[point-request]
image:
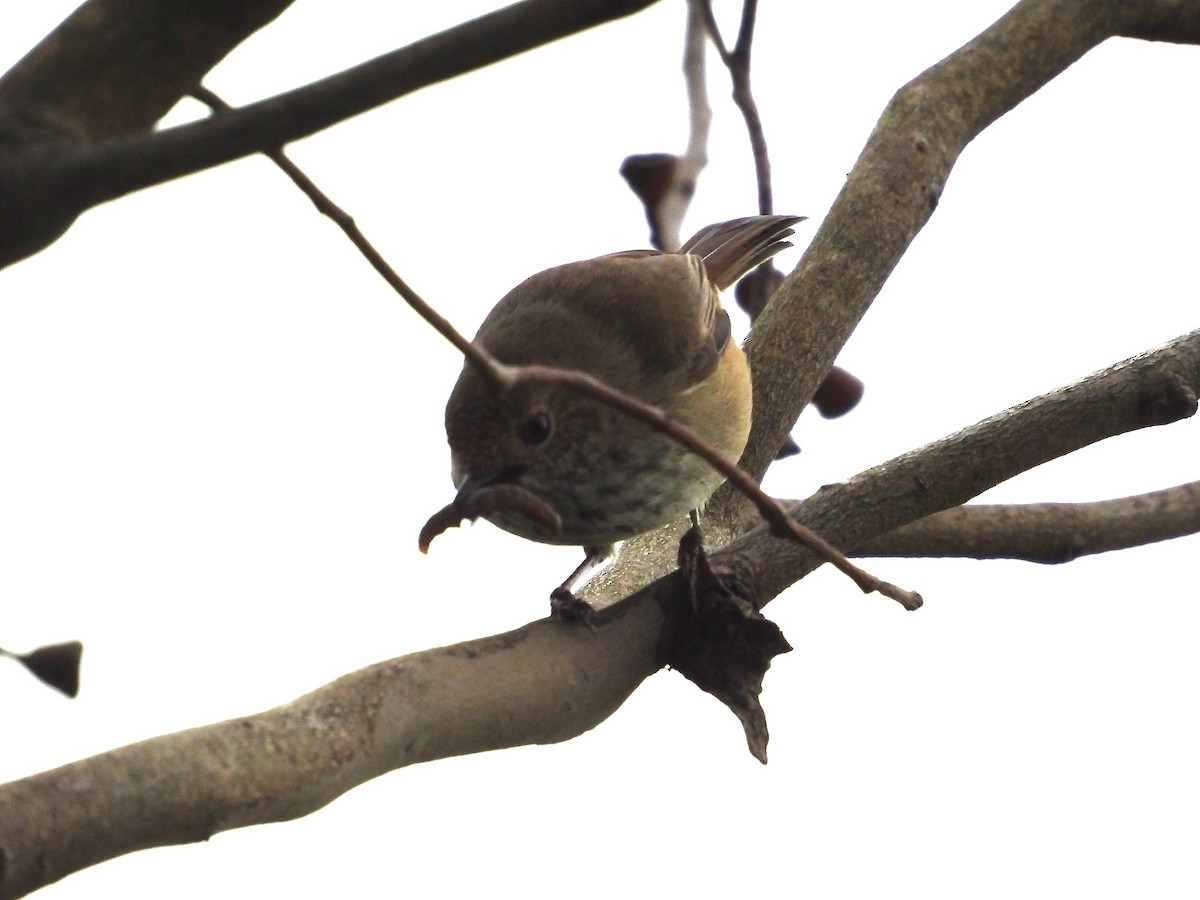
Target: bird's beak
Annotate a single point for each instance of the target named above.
(484, 494)
(478, 480)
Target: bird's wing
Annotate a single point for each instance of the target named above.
(648, 322)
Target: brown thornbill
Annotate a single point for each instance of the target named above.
(644, 322)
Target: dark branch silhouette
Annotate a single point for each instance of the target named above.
(47, 184)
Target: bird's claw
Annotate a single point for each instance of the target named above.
(565, 606)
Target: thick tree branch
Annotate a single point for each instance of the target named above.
(889, 195)
(1046, 532)
(87, 82)
(545, 682)
(42, 191)
(1155, 388)
(894, 187)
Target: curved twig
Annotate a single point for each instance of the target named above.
(505, 377)
(737, 61)
(492, 370)
(780, 523)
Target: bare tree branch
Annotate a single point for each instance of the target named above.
(895, 184)
(44, 191)
(542, 683)
(1155, 388)
(889, 195)
(86, 82)
(1046, 532)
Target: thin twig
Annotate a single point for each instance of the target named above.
(1154, 388)
(737, 61)
(491, 369)
(666, 182)
(714, 30)
(505, 377)
(781, 524)
(695, 75)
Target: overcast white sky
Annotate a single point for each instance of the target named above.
(221, 434)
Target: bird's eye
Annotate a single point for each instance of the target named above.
(536, 428)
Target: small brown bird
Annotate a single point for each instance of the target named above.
(645, 322)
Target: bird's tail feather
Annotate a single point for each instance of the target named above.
(731, 249)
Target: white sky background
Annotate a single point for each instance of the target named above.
(221, 434)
